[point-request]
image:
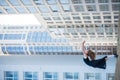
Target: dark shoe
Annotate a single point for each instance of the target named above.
(116, 55)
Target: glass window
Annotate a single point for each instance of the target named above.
(11, 75)
(107, 17)
(1, 36)
(76, 17)
(115, 0)
(96, 17)
(27, 2)
(92, 76)
(104, 7)
(66, 17)
(43, 9)
(51, 1)
(12, 36)
(103, 1)
(71, 76)
(46, 18)
(64, 1)
(3, 3)
(20, 9)
(78, 8)
(66, 8)
(32, 9)
(30, 76)
(9, 9)
(110, 76)
(50, 76)
(90, 1)
(55, 8)
(56, 18)
(91, 7)
(14, 2)
(39, 2)
(116, 7)
(116, 17)
(76, 1)
(1, 11)
(86, 17)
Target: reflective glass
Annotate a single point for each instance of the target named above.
(76, 1)
(9, 9)
(12, 36)
(90, 1)
(1, 36)
(116, 7)
(1, 11)
(3, 3)
(50, 76)
(27, 2)
(66, 8)
(39, 2)
(64, 1)
(55, 8)
(78, 8)
(20, 9)
(104, 7)
(51, 1)
(14, 2)
(103, 1)
(43, 9)
(91, 7)
(32, 9)
(11, 75)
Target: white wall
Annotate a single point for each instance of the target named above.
(50, 63)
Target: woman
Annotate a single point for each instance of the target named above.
(89, 58)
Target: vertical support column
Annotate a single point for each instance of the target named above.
(117, 71)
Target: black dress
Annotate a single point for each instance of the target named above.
(98, 63)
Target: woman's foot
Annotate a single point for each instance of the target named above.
(116, 55)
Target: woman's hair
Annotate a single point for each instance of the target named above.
(91, 54)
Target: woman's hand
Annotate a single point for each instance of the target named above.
(83, 42)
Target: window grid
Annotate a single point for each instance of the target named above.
(30, 75)
(50, 76)
(11, 75)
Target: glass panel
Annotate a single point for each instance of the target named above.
(107, 17)
(43, 9)
(66, 17)
(104, 7)
(32, 9)
(14, 2)
(91, 7)
(86, 17)
(39, 2)
(90, 1)
(1, 12)
(3, 3)
(20, 9)
(55, 8)
(96, 17)
(9, 9)
(64, 1)
(51, 1)
(115, 0)
(103, 1)
(78, 8)
(67, 8)
(27, 2)
(116, 7)
(76, 1)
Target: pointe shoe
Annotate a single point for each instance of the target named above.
(116, 55)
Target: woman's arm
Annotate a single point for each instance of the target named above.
(83, 50)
